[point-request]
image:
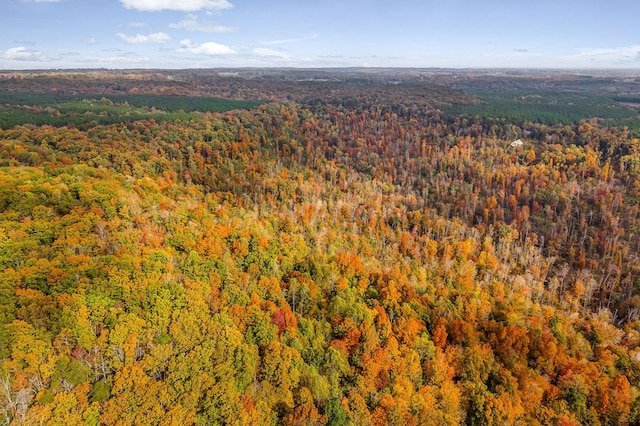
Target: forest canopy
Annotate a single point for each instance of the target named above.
(336, 248)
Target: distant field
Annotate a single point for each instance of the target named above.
(60, 110)
(552, 107)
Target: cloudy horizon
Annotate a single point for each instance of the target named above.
(54, 34)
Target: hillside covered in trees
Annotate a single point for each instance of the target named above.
(329, 248)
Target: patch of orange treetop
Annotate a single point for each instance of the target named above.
(322, 263)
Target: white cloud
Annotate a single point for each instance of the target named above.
(290, 40)
(181, 5)
(144, 39)
(209, 48)
(272, 53)
(136, 24)
(23, 54)
(119, 59)
(609, 55)
(191, 23)
(90, 40)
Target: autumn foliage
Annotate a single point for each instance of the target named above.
(361, 262)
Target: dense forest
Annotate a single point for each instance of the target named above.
(325, 249)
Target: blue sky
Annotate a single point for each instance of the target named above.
(43, 34)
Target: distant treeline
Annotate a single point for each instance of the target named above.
(78, 110)
(549, 108)
(10, 117)
(630, 99)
